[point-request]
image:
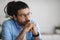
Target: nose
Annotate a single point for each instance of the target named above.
(27, 18)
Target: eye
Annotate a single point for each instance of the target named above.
(24, 15)
(21, 15)
(29, 13)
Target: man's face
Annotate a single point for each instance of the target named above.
(23, 15)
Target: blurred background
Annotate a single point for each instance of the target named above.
(47, 12)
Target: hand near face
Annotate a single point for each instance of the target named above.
(33, 30)
(30, 27)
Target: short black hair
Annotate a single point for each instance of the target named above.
(12, 7)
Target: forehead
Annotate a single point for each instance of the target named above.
(23, 11)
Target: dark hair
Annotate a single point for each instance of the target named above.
(12, 7)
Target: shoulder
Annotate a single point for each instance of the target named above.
(7, 23)
(34, 20)
(6, 27)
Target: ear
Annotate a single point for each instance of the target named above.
(15, 18)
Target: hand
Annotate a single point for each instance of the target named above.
(33, 30)
(28, 26)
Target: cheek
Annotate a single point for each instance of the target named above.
(28, 18)
(21, 19)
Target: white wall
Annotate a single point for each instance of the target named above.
(47, 12)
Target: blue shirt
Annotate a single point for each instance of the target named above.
(11, 30)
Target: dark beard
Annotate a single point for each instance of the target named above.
(24, 23)
(20, 23)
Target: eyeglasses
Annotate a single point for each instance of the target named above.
(24, 15)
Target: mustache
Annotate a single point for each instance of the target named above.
(23, 24)
(27, 21)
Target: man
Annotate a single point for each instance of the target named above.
(20, 26)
